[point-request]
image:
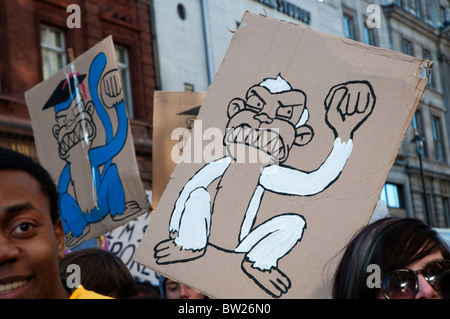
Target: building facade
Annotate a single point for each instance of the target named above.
(39, 37)
(191, 47)
(179, 45)
(421, 175)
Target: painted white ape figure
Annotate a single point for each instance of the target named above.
(272, 119)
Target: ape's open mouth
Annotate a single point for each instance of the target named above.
(84, 130)
(268, 141)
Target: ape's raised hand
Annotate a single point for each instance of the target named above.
(111, 89)
(347, 106)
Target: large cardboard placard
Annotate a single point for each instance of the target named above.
(83, 139)
(174, 114)
(310, 125)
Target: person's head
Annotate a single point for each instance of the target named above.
(31, 232)
(391, 244)
(101, 271)
(170, 289)
(146, 290)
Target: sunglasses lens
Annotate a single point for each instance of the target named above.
(399, 284)
(434, 271)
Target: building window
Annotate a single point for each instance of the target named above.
(446, 209)
(124, 69)
(417, 125)
(427, 55)
(188, 87)
(424, 9)
(410, 5)
(443, 14)
(437, 136)
(369, 36)
(53, 50)
(349, 27)
(407, 47)
(392, 195)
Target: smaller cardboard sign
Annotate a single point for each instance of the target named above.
(123, 241)
(83, 138)
(174, 114)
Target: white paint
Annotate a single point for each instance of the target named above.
(205, 176)
(290, 181)
(277, 85)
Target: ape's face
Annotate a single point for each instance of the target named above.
(75, 127)
(270, 122)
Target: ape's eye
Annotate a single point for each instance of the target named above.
(61, 120)
(255, 102)
(285, 113)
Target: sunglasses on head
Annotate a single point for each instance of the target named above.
(403, 283)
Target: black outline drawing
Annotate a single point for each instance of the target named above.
(270, 106)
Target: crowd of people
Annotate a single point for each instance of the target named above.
(413, 259)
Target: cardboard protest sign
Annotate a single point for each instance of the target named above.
(83, 139)
(174, 114)
(309, 125)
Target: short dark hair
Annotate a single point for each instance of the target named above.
(12, 160)
(101, 271)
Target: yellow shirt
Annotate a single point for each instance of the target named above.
(81, 293)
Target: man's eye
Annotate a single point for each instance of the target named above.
(173, 287)
(22, 228)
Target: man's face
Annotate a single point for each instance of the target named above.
(30, 244)
(175, 290)
(75, 127)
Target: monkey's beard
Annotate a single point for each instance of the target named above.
(265, 140)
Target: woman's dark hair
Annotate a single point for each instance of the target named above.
(101, 271)
(12, 160)
(391, 243)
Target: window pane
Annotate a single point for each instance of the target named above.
(124, 69)
(417, 124)
(369, 36)
(392, 195)
(446, 211)
(349, 28)
(120, 53)
(406, 47)
(54, 39)
(52, 50)
(438, 139)
(43, 35)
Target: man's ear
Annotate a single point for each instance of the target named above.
(304, 135)
(59, 234)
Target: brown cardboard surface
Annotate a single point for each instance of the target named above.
(174, 114)
(83, 139)
(235, 227)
